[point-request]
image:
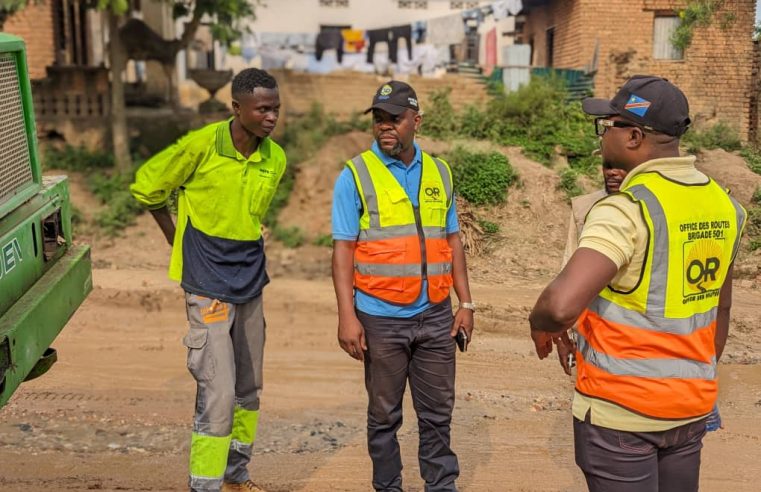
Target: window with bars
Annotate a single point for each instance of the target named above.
(663, 28)
(413, 4)
(334, 3)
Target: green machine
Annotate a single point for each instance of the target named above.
(44, 277)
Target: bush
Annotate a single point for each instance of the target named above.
(488, 227)
(569, 183)
(756, 198)
(291, 237)
(302, 138)
(121, 207)
(753, 227)
(325, 240)
(752, 157)
(718, 136)
(537, 117)
(109, 186)
(481, 178)
(80, 159)
(441, 120)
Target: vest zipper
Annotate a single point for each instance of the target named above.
(421, 238)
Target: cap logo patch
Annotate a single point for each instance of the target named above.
(412, 101)
(637, 105)
(385, 90)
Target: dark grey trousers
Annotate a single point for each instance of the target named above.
(619, 461)
(418, 349)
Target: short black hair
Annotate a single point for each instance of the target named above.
(249, 79)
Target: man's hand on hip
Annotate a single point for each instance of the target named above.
(351, 337)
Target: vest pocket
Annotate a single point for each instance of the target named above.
(261, 198)
(387, 283)
(434, 213)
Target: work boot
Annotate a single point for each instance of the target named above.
(247, 486)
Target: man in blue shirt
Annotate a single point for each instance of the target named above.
(396, 253)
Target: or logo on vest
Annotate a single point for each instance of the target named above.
(433, 193)
(702, 264)
(386, 90)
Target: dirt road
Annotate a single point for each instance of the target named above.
(115, 412)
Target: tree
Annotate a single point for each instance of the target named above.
(8, 8)
(224, 17)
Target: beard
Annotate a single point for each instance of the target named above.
(394, 151)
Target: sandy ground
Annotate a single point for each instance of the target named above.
(115, 412)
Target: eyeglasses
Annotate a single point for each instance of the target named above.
(602, 125)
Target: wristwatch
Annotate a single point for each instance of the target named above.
(468, 305)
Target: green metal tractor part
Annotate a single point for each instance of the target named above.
(44, 277)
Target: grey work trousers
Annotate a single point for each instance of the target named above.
(421, 350)
(225, 356)
(621, 461)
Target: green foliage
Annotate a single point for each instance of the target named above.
(109, 186)
(291, 237)
(717, 136)
(698, 13)
(537, 117)
(440, 120)
(303, 137)
(325, 240)
(481, 178)
(756, 198)
(488, 227)
(752, 157)
(79, 159)
(121, 207)
(569, 183)
(753, 227)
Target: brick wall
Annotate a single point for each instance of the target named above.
(716, 72)
(345, 93)
(34, 25)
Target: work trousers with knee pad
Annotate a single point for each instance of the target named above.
(225, 354)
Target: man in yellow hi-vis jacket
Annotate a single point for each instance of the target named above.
(649, 289)
(226, 175)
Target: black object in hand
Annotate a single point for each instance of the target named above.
(462, 340)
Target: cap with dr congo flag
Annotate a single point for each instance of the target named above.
(651, 102)
(395, 97)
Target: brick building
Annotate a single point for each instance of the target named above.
(616, 39)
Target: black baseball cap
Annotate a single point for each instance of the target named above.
(651, 102)
(395, 97)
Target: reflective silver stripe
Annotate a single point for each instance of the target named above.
(385, 270)
(741, 217)
(656, 296)
(390, 232)
(445, 178)
(368, 190)
(393, 232)
(242, 448)
(439, 268)
(647, 368)
(435, 232)
(205, 483)
(678, 326)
